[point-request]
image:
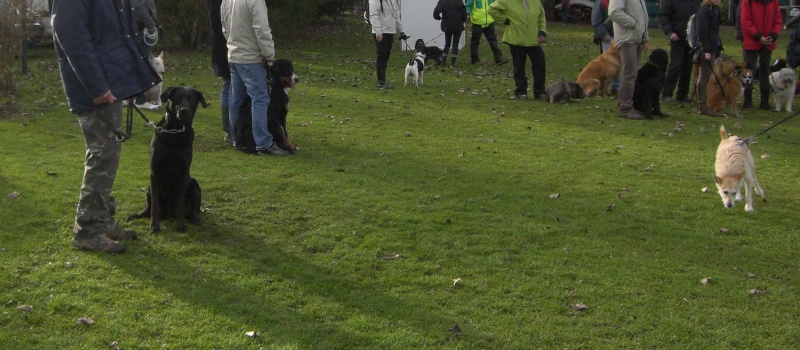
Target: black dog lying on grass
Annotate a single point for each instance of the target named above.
(172, 192)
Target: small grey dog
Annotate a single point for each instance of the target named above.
(563, 91)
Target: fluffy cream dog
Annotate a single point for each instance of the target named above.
(782, 84)
(735, 167)
(154, 93)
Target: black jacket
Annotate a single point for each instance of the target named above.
(708, 19)
(674, 16)
(452, 13)
(219, 46)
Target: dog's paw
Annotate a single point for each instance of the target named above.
(155, 228)
(181, 227)
(748, 208)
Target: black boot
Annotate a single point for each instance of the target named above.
(748, 98)
(453, 61)
(765, 100)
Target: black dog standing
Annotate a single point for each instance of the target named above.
(173, 192)
(649, 82)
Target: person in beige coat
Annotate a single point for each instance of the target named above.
(630, 32)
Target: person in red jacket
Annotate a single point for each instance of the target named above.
(761, 22)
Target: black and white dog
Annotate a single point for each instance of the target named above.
(416, 68)
(431, 52)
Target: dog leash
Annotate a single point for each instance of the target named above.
(129, 123)
(750, 139)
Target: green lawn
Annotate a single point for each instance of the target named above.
(355, 241)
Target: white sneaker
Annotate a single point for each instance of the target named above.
(148, 105)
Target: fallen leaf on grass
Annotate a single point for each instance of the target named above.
(611, 206)
(756, 291)
(13, 195)
(27, 308)
(554, 196)
(455, 329)
(391, 256)
(84, 320)
(456, 281)
(113, 346)
(751, 275)
(723, 230)
(572, 293)
(704, 190)
(765, 156)
(705, 281)
(650, 167)
(251, 334)
(579, 307)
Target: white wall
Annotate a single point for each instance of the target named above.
(418, 23)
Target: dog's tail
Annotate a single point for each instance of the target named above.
(722, 133)
(411, 63)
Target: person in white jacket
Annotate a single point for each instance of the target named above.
(245, 25)
(384, 16)
(630, 32)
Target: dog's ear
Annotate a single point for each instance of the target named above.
(718, 180)
(165, 95)
(201, 98)
(150, 56)
(161, 55)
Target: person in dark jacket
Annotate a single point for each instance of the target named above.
(146, 19)
(453, 14)
(219, 64)
(761, 21)
(604, 33)
(708, 20)
(674, 18)
(793, 50)
(100, 66)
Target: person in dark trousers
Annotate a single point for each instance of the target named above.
(708, 20)
(146, 19)
(761, 21)
(482, 23)
(453, 14)
(674, 18)
(604, 33)
(219, 64)
(526, 31)
(566, 5)
(100, 66)
(384, 17)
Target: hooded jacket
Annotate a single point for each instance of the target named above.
(760, 18)
(384, 16)
(477, 11)
(97, 52)
(630, 21)
(452, 13)
(524, 26)
(245, 24)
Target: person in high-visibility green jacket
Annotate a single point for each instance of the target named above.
(482, 23)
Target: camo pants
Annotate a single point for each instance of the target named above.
(96, 207)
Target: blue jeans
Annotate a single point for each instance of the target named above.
(603, 47)
(251, 80)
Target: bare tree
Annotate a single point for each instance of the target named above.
(15, 16)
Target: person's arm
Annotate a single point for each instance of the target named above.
(665, 17)
(748, 28)
(437, 11)
(469, 7)
(498, 11)
(375, 17)
(616, 11)
(397, 21)
(542, 24)
(703, 25)
(70, 27)
(262, 30)
(777, 24)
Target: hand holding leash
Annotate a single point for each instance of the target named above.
(403, 36)
(150, 36)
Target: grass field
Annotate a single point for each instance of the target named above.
(355, 242)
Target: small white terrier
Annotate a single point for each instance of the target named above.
(154, 93)
(783, 86)
(415, 68)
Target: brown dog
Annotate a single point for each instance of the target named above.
(598, 74)
(724, 87)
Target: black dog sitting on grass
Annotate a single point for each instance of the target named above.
(172, 192)
(649, 83)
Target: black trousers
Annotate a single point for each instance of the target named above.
(382, 50)
(519, 57)
(451, 38)
(680, 70)
(763, 58)
(475, 40)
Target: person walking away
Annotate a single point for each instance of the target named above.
(100, 65)
(632, 37)
(384, 17)
(219, 64)
(482, 23)
(146, 19)
(674, 18)
(565, 8)
(761, 21)
(604, 33)
(453, 14)
(245, 24)
(708, 20)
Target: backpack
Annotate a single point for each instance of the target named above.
(366, 11)
(691, 34)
